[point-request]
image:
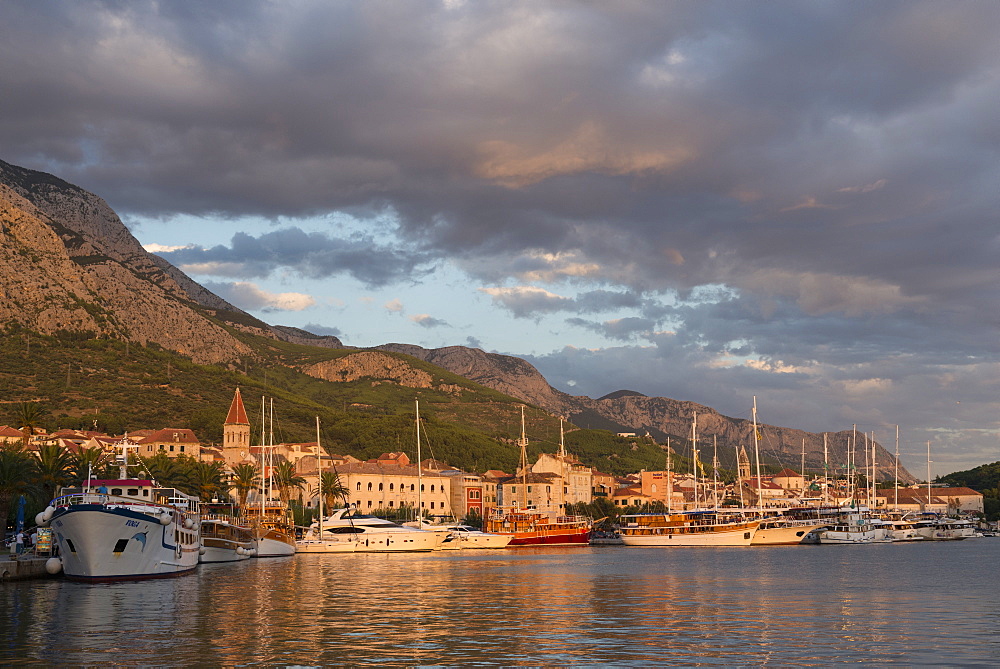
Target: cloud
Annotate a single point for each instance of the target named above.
(252, 298)
(394, 305)
(427, 321)
(807, 185)
(313, 255)
(526, 301)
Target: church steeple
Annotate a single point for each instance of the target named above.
(744, 464)
(237, 414)
(236, 430)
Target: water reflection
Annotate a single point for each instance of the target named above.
(920, 604)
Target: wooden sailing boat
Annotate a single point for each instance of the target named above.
(700, 527)
(274, 531)
(528, 526)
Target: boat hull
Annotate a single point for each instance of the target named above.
(740, 536)
(790, 535)
(320, 546)
(568, 537)
(116, 542)
(274, 544)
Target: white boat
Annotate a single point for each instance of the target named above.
(320, 541)
(781, 531)
(687, 528)
(366, 534)
(225, 540)
(125, 528)
(469, 537)
(854, 527)
(903, 530)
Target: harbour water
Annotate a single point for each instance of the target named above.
(932, 603)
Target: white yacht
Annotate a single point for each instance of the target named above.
(359, 533)
(225, 540)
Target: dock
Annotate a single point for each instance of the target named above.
(23, 567)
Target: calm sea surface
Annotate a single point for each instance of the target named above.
(912, 604)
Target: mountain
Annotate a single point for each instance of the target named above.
(69, 265)
(661, 417)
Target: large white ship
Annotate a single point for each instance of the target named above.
(125, 528)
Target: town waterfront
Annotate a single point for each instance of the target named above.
(928, 603)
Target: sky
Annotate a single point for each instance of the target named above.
(707, 201)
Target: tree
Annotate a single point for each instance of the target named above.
(243, 480)
(94, 461)
(286, 480)
(15, 477)
(210, 479)
(333, 490)
(171, 472)
(52, 468)
(30, 415)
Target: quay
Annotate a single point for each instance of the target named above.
(23, 567)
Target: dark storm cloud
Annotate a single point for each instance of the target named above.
(827, 169)
(314, 255)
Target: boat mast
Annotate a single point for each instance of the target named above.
(802, 468)
(928, 475)
(739, 477)
(694, 452)
(263, 452)
(756, 454)
(850, 463)
(420, 479)
(319, 470)
(670, 481)
(868, 471)
(523, 441)
(715, 470)
(874, 469)
(896, 473)
(826, 472)
(270, 452)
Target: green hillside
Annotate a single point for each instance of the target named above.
(81, 381)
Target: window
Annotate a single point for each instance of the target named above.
(432, 505)
(548, 488)
(529, 488)
(369, 490)
(422, 486)
(380, 487)
(390, 487)
(432, 487)
(369, 501)
(359, 485)
(475, 494)
(412, 487)
(390, 503)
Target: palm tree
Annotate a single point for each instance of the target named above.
(15, 477)
(171, 472)
(210, 477)
(243, 480)
(94, 461)
(285, 480)
(53, 468)
(29, 414)
(333, 490)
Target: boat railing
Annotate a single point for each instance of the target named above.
(103, 499)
